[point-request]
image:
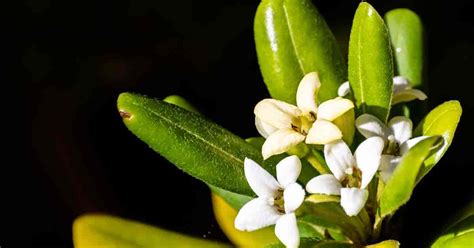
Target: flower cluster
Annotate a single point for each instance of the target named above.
(321, 128)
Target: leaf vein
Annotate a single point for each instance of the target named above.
(293, 43)
(231, 156)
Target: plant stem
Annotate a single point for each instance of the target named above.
(365, 219)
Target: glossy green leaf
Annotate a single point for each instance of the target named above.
(463, 240)
(315, 243)
(406, 33)
(98, 230)
(370, 63)
(194, 144)
(325, 211)
(292, 39)
(400, 186)
(460, 232)
(234, 200)
(442, 121)
(181, 102)
(385, 244)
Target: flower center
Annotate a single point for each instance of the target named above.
(392, 147)
(279, 201)
(303, 123)
(353, 177)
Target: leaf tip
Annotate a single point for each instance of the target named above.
(122, 105)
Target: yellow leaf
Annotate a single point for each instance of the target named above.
(225, 216)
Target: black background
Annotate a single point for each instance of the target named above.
(71, 154)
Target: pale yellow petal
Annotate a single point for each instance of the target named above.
(264, 128)
(331, 109)
(307, 93)
(408, 95)
(280, 142)
(276, 113)
(345, 123)
(323, 132)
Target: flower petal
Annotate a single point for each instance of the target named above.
(400, 83)
(323, 132)
(264, 128)
(277, 113)
(331, 109)
(339, 158)
(307, 93)
(286, 230)
(411, 143)
(288, 170)
(369, 126)
(401, 128)
(261, 182)
(388, 164)
(280, 142)
(408, 95)
(293, 196)
(256, 214)
(367, 156)
(344, 89)
(324, 184)
(353, 200)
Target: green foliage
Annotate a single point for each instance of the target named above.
(315, 243)
(323, 211)
(181, 102)
(97, 230)
(442, 121)
(292, 39)
(194, 144)
(400, 186)
(236, 201)
(406, 33)
(385, 244)
(370, 63)
(460, 232)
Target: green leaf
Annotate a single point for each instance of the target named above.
(399, 187)
(181, 102)
(463, 240)
(370, 63)
(325, 211)
(97, 230)
(316, 243)
(194, 144)
(385, 244)
(442, 121)
(292, 39)
(460, 233)
(406, 33)
(236, 201)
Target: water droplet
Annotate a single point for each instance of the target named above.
(399, 50)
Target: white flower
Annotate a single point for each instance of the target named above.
(397, 137)
(351, 174)
(402, 92)
(285, 125)
(276, 202)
